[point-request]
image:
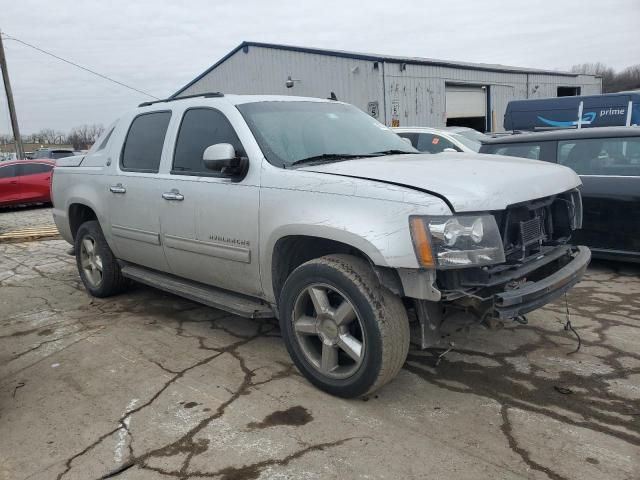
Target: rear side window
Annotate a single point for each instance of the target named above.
(601, 156)
(428, 142)
(143, 146)
(35, 168)
(200, 128)
(8, 171)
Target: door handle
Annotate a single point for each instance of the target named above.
(173, 195)
(13, 182)
(118, 188)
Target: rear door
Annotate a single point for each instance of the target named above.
(135, 192)
(8, 183)
(610, 173)
(35, 182)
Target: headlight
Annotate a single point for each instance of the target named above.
(456, 241)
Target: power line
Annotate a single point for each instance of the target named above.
(9, 37)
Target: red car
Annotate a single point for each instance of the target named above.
(25, 181)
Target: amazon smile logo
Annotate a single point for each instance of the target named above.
(587, 119)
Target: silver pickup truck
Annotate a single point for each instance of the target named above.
(313, 212)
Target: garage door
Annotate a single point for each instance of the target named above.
(465, 101)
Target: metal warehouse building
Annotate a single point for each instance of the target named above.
(404, 91)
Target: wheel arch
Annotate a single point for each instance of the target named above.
(78, 213)
(289, 251)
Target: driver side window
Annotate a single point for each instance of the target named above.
(201, 128)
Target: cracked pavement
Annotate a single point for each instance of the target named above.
(147, 385)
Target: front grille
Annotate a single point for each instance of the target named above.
(530, 227)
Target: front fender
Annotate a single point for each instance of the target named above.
(377, 228)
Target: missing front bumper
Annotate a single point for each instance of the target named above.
(533, 295)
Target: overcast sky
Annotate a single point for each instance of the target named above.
(158, 46)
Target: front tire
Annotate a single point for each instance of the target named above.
(98, 268)
(345, 332)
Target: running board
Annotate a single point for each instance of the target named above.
(198, 292)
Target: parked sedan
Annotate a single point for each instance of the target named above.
(25, 181)
(436, 140)
(608, 162)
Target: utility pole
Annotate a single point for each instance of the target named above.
(12, 107)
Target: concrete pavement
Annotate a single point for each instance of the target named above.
(147, 385)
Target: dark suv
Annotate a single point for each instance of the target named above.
(608, 162)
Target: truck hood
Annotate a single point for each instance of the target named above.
(469, 182)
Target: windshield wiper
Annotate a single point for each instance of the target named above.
(328, 157)
(391, 152)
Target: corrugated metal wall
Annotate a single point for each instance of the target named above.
(544, 86)
(420, 90)
(415, 92)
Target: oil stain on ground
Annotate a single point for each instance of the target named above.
(294, 416)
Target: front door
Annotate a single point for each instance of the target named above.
(210, 223)
(135, 193)
(610, 173)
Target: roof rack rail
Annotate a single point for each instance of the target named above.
(172, 99)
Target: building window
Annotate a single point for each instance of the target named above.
(568, 91)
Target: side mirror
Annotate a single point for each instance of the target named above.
(222, 158)
(449, 149)
(407, 140)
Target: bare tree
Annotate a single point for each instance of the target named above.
(84, 136)
(612, 81)
(628, 79)
(45, 136)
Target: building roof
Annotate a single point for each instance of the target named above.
(245, 46)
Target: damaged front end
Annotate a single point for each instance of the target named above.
(539, 266)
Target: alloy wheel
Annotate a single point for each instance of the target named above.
(329, 331)
(90, 261)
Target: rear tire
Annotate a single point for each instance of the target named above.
(98, 267)
(345, 332)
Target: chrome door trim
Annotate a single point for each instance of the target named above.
(152, 238)
(211, 249)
